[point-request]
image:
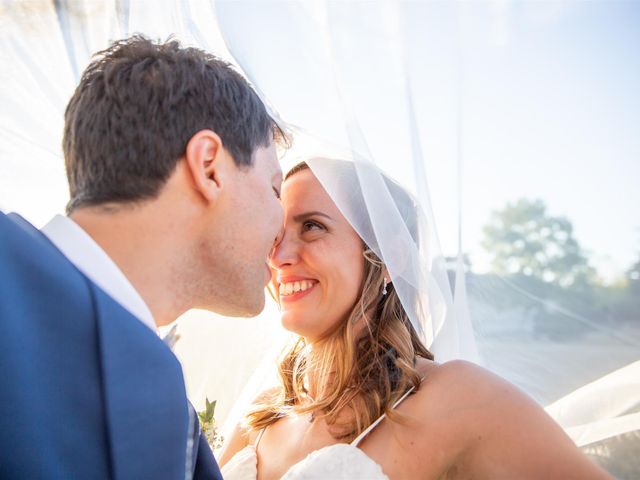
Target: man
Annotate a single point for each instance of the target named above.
(174, 186)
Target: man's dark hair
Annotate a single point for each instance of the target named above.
(136, 107)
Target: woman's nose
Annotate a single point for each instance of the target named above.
(284, 251)
(279, 236)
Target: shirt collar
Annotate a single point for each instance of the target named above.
(93, 261)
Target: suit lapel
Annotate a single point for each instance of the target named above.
(143, 391)
(144, 396)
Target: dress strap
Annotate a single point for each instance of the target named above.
(360, 437)
(259, 437)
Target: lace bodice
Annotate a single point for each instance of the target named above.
(338, 462)
(242, 466)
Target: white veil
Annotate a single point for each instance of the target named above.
(429, 95)
(342, 78)
(328, 119)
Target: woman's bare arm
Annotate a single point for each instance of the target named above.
(238, 439)
(499, 432)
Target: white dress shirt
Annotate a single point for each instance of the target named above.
(93, 261)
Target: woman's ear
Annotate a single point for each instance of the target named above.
(204, 157)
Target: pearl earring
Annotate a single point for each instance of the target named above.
(384, 287)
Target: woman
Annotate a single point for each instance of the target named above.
(360, 395)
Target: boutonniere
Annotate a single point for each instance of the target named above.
(208, 425)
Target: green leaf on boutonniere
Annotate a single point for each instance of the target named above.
(208, 425)
(207, 414)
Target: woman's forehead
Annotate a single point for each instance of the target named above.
(303, 193)
(303, 190)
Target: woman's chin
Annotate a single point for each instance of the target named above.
(307, 329)
(289, 321)
(293, 323)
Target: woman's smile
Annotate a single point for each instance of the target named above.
(318, 260)
(293, 296)
(292, 288)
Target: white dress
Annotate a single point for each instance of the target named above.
(337, 462)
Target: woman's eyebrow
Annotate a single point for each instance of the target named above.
(303, 216)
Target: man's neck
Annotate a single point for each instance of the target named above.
(143, 244)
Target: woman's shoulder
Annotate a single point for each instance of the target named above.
(480, 417)
(458, 387)
(243, 435)
(450, 377)
(266, 396)
(451, 409)
(460, 376)
(437, 413)
(473, 402)
(487, 425)
(452, 368)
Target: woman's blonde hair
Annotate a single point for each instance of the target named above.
(360, 369)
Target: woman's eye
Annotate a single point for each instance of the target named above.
(275, 190)
(311, 225)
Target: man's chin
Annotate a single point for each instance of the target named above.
(239, 303)
(251, 306)
(255, 310)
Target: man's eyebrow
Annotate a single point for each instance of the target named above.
(303, 216)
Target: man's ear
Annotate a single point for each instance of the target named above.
(204, 157)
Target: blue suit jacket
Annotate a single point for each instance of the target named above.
(86, 390)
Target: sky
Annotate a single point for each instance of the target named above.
(550, 109)
(532, 99)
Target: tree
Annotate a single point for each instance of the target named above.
(523, 238)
